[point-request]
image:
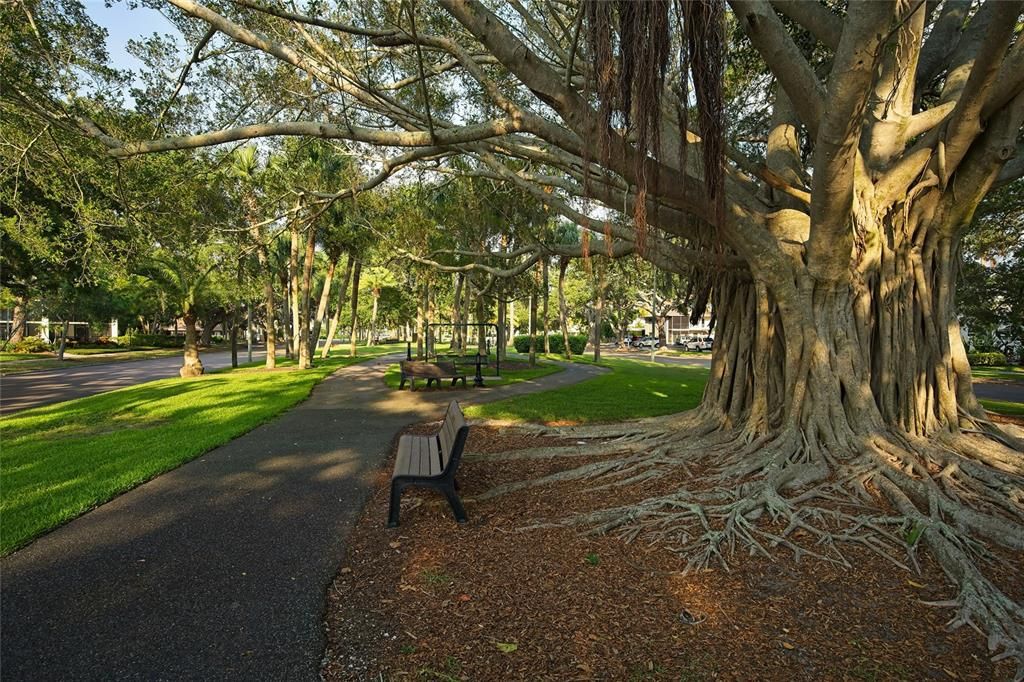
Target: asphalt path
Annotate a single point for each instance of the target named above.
(1012, 391)
(219, 569)
(32, 389)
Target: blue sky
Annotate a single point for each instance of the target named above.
(123, 24)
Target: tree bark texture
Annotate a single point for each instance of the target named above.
(192, 366)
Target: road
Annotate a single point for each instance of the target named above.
(1012, 391)
(32, 389)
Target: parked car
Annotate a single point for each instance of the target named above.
(647, 342)
(699, 343)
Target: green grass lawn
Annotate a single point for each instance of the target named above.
(508, 376)
(9, 357)
(1008, 372)
(61, 460)
(632, 389)
(1006, 407)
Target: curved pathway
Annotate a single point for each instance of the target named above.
(219, 568)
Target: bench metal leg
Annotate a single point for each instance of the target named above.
(394, 506)
(456, 504)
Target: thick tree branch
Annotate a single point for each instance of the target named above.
(823, 23)
(784, 58)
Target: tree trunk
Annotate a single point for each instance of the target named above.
(336, 318)
(19, 319)
(354, 327)
(63, 340)
(375, 292)
(192, 366)
(563, 317)
(546, 293)
(500, 341)
(305, 352)
(268, 295)
(598, 313)
(234, 336)
(294, 297)
(421, 326)
(286, 313)
(321, 308)
(458, 343)
(533, 329)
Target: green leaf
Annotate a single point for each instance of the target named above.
(506, 647)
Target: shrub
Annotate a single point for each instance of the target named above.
(157, 340)
(31, 344)
(577, 343)
(986, 359)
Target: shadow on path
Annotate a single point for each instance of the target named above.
(219, 568)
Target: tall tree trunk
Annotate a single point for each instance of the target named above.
(599, 312)
(286, 313)
(500, 341)
(563, 315)
(192, 366)
(458, 343)
(467, 299)
(375, 293)
(234, 336)
(533, 329)
(421, 325)
(336, 317)
(354, 327)
(294, 297)
(268, 295)
(321, 308)
(546, 293)
(305, 347)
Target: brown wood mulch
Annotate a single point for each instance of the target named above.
(492, 601)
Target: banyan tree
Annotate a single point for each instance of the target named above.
(840, 401)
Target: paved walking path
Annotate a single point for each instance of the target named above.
(218, 569)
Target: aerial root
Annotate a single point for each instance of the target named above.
(758, 495)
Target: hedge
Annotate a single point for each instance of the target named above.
(577, 343)
(986, 359)
(156, 340)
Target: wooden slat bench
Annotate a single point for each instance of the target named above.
(430, 462)
(417, 369)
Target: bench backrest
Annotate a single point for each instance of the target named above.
(452, 436)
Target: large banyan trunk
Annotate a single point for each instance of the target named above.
(193, 366)
(840, 414)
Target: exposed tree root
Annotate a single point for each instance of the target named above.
(758, 493)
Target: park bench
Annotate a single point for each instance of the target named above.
(430, 462)
(431, 371)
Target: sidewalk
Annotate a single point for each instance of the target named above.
(218, 569)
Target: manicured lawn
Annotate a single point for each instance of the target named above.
(1003, 407)
(61, 460)
(632, 389)
(508, 376)
(1008, 372)
(8, 357)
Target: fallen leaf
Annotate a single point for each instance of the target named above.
(394, 545)
(913, 584)
(787, 645)
(464, 597)
(506, 647)
(346, 570)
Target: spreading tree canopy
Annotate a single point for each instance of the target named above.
(811, 167)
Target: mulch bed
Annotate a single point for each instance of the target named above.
(492, 601)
